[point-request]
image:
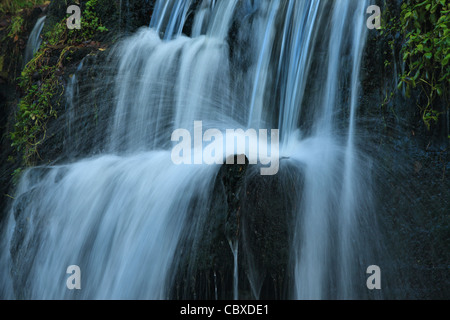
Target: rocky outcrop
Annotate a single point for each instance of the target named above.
(411, 175)
(254, 214)
(12, 52)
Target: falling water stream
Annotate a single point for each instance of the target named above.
(245, 64)
(34, 40)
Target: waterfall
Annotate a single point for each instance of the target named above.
(34, 40)
(334, 200)
(121, 215)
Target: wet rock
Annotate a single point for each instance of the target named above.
(256, 213)
(22, 253)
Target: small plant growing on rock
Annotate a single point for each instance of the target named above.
(426, 53)
(40, 82)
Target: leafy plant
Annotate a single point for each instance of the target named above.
(60, 35)
(90, 24)
(36, 107)
(426, 52)
(15, 27)
(13, 6)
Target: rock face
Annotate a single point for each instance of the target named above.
(412, 176)
(12, 52)
(254, 214)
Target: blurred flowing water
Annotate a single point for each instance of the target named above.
(245, 64)
(34, 40)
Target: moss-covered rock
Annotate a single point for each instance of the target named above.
(12, 48)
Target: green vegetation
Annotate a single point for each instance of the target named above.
(90, 27)
(427, 52)
(90, 22)
(13, 6)
(425, 30)
(15, 28)
(41, 85)
(35, 108)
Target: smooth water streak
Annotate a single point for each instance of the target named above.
(120, 216)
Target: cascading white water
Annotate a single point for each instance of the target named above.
(334, 184)
(34, 40)
(295, 61)
(120, 216)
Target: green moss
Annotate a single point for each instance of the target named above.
(90, 26)
(36, 108)
(15, 28)
(90, 22)
(13, 6)
(57, 35)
